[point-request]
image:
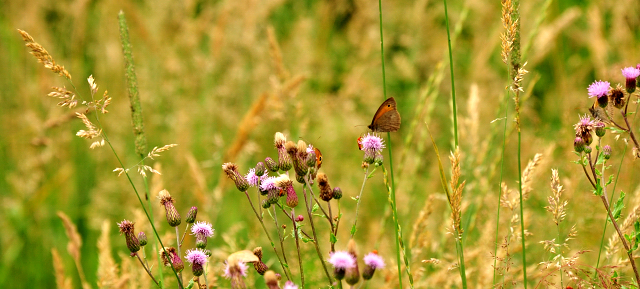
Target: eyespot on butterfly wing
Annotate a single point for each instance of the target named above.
(386, 118)
(318, 157)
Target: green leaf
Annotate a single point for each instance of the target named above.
(315, 207)
(353, 230)
(617, 208)
(190, 285)
(333, 239)
(598, 191)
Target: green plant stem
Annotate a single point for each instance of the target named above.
(524, 251)
(561, 280)
(393, 191)
(275, 220)
(284, 266)
(460, 251)
(313, 228)
(155, 243)
(394, 211)
(184, 235)
(295, 233)
(147, 269)
(355, 221)
(178, 248)
(453, 86)
(504, 145)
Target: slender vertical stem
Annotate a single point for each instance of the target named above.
(295, 233)
(355, 221)
(561, 280)
(334, 229)
(184, 234)
(273, 246)
(504, 144)
(453, 86)
(313, 229)
(275, 220)
(460, 249)
(178, 248)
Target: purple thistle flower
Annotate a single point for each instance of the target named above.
(196, 256)
(342, 260)
(630, 72)
(252, 178)
(290, 285)
(599, 89)
(374, 261)
(202, 229)
(372, 142)
(310, 149)
(268, 184)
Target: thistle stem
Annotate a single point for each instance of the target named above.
(147, 269)
(295, 233)
(313, 229)
(355, 221)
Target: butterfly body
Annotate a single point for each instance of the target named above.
(387, 118)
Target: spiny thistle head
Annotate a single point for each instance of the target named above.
(630, 74)
(337, 193)
(600, 89)
(606, 152)
(126, 228)
(352, 275)
(191, 215)
(578, 144)
(599, 128)
(197, 258)
(372, 262)
(261, 169)
(202, 231)
(236, 270)
(173, 217)
(279, 140)
(326, 193)
(231, 170)
(284, 183)
(252, 177)
(584, 128)
(171, 257)
(271, 164)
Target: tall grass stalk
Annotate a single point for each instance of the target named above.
(504, 144)
(138, 130)
(458, 237)
(393, 190)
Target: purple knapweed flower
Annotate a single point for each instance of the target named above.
(342, 260)
(372, 142)
(203, 229)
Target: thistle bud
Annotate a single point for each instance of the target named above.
(266, 204)
(311, 159)
(599, 127)
(231, 170)
(273, 196)
(191, 215)
(284, 159)
(272, 166)
(260, 169)
(142, 238)
(126, 227)
(606, 152)
(587, 149)
(299, 155)
(326, 193)
(617, 97)
(173, 217)
(341, 262)
(300, 179)
(197, 258)
(337, 193)
(169, 256)
(352, 275)
(369, 156)
(578, 144)
(378, 159)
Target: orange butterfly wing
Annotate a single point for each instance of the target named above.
(318, 157)
(387, 118)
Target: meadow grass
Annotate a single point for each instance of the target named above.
(220, 80)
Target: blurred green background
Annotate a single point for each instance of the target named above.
(219, 78)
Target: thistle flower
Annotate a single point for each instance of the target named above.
(326, 194)
(197, 258)
(600, 89)
(173, 217)
(283, 182)
(584, 128)
(191, 215)
(267, 184)
(352, 275)
(289, 285)
(298, 154)
(231, 170)
(202, 231)
(341, 261)
(372, 142)
(142, 238)
(617, 97)
(126, 227)
(235, 270)
(372, 262)
(252, 177)
(284, 159)
(171, 257)
(271, 164)
(630, 73)
(260, 266)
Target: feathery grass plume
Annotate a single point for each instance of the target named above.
(510, 26)
(456, 191)
(43, 55)
(67, 97)
(132, 89)
(276, 55)
(418, 239)
(527, 175)
(74, 246)
(107, 273)
(614, 241)
(556, 206)
(62, 282)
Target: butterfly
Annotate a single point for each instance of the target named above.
(386, 118)
(360, 142)
(318, 157)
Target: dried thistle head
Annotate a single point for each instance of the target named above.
(173, 217)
